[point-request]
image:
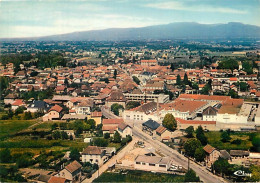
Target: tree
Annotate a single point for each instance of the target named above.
(256, 143)
(56, 135)
(205, 90)
(54, 126)
(74, 154)
(132, 104)
(66, 82)
(255, 170)
(228, 63)
(100, 142)
(191, 145)
(243, 86)
(5, 156)
(190, 176)
(169, 122)
(136, 80)
(106, 135)
(115, 108)
(233, 93)
(172, 67)
(185, 79)
(201, 136)
(195, 86)
(92, 123)
(19, 110)
(189, 131)
(27, 115)
(115, 74)
(178, 80)
(221, 166)
(199, 154)
(225, 137)
(117, 137)
(64, 135)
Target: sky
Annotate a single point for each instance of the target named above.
(32, 18)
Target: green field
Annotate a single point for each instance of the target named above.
(9, 127)
(138, 176)
(214, 139)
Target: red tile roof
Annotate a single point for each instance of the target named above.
(161, 129)
(184, 105)
(56, 108)
(209, 149)
(54, 179)
(96, 114)
(112, 121)
(72, 167)
(92, 150)
(18, 102)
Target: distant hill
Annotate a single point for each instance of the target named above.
(182, 30)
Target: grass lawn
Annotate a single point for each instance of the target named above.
(9, 127)
(24, 143)
(214, 139)
(138, 176)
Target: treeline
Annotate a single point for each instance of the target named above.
(41, 60)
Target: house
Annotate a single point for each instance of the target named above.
(124, 130)
(116, 96)
(111, 129)
(93, 154)
(152, 163)
(17, 103)
(71, 172)
(163, 134)
(149, 62)
(150, 126)
(54, 113)
(84, 107)
(9, 99)
(212, 154)
(38, 106)
(97, 116)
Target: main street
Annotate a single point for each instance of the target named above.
(204, 174)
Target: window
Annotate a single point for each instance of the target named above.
(150, 164)
(162, 165)
(138, 163)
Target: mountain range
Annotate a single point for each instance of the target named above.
(181, 30)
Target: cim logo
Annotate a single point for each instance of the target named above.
(242, 173)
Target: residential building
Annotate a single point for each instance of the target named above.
(54, 113)
(71, 172)
(94, 154)
(38, 106)
(212, 154)
(163, 134)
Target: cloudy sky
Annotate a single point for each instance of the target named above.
(26, 18)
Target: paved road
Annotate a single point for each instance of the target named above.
(204, 174)
(112, 161)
